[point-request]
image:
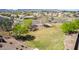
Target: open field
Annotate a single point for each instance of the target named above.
(47, 38)
(33, 29)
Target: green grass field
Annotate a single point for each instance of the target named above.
(47, 39)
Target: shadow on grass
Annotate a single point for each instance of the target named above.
(25, 38)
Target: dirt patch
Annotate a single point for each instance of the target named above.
(13, 44)
(70, 41)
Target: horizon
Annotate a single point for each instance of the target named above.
(44, 9)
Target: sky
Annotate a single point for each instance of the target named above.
(39, 4)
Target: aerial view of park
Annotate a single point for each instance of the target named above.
(39, 29)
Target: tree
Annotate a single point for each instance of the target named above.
(22, 28)
(68, 27)
(6, 24)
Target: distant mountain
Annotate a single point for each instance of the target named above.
(69, 9)
(6, 10)
(36, 10)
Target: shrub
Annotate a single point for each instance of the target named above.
(76, 22)
(6, 24)
(68, 27)
(19, 29)
(6, 14)
(22, 28)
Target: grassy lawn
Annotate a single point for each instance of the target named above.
(48, 39)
